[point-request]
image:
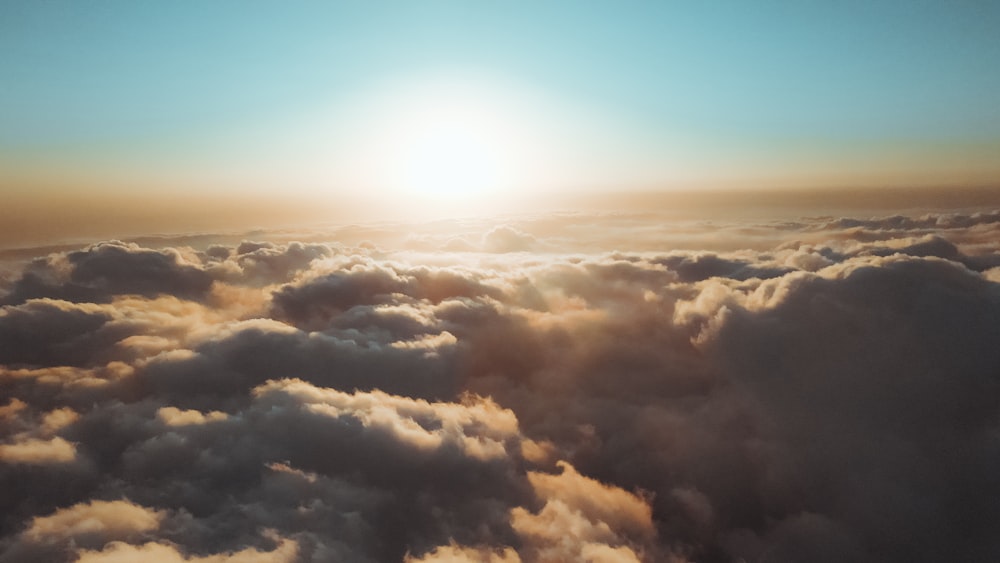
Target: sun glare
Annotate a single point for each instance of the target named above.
(450, 144)
(451, 153)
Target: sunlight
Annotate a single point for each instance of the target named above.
(450, 142)
(451, 152)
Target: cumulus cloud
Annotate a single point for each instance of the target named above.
(505, 238)
(35, 451)
(86, 525)
(583, 520)
(607, 388)
(111, 520)
(457, 554)
(112, 268)
(119, 552)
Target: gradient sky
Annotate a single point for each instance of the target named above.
(168, 95)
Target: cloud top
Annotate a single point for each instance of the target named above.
(819, 389)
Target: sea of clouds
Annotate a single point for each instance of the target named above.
(570, 387)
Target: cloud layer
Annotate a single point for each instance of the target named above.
(823, 389)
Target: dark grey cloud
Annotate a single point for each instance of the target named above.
(125, 269)
(113, 268)
(809, 390)
(225, 370)
(697, 267)
(881, 382)
(47, 332)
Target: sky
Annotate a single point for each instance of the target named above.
(256, 98)
(504, 282)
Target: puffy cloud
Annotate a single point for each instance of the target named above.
(119, 552)
(884, 362)
(477, 428)
(459, 554)
(583, 520)
(504, 238)
(596, 501)
(48, 332)
(263, 263)
(697, 267)
(338, 286)
(86, 525)
(35, 451)
(113, 268)
(128, 269)
(107, 520)
(811, 389)
(173, 416)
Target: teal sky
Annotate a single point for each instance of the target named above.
(811, 91)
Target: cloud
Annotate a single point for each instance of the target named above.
(86, 525)
(109, 520)
(886, 363)
(691, 268)
(34, 451)
(504, 238)
(263, 263)
(112, 268)
(459, 554)
(817, 389)
(119, 552)
(173, 416)
(48, 332)
(583, 519)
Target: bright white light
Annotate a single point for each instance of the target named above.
(454, 143)
(448, 151)
(449, 143)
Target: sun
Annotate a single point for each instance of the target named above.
(452, 149)
(451, 156)
(448, 143)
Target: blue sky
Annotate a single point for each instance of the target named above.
(770, 79)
